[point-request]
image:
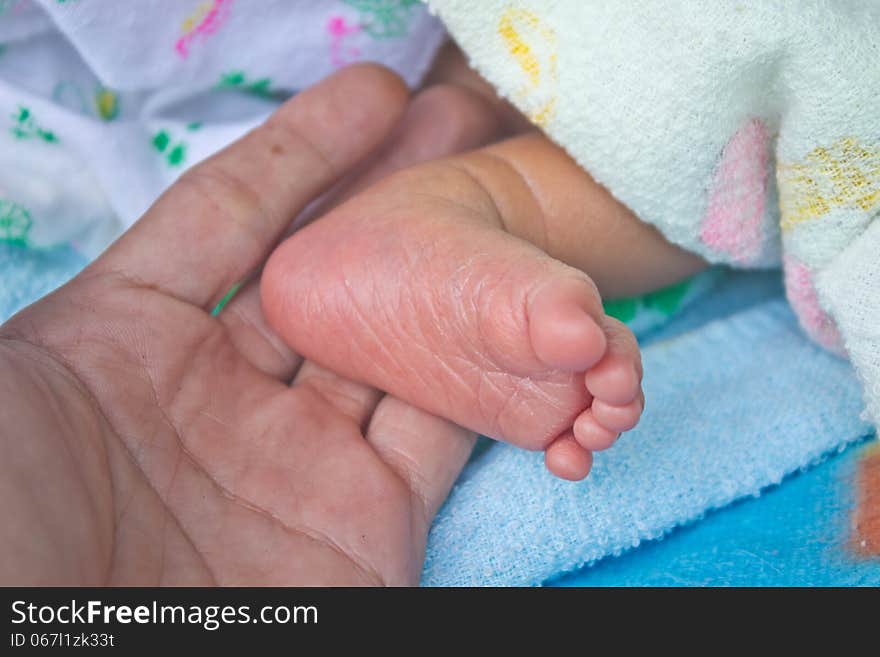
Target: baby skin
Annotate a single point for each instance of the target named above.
(471, 286)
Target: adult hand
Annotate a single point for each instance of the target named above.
(145, 441)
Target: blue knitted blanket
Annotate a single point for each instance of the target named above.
(738, 401)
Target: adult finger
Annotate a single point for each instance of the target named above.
(356, 400)
(426, 452)
(220, 219)
(255, 340)
(440, 121)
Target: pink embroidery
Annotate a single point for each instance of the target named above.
(339, 30)
(21, 7)
(732, 223)
(205, 21)
(803, 298)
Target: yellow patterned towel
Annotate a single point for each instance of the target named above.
(748, 132)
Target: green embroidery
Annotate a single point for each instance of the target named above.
(24, 127)
(668, 300)
(161, 140)
(384, 19)
(623, 309)
(238, 80)
(15, 223)
(233, 79)
(226, 299)
(175, 153)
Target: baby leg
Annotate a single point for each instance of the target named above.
(445, 285)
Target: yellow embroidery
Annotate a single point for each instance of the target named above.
(107, 103)
(196, 17)
(843, 175)
(528, 38)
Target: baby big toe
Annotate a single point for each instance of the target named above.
(564, 332)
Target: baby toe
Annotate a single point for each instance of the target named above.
(591, 435)
(616, 378)
(617, 418)
(563, 324)
(567, 459)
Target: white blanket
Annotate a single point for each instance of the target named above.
(747, 132)
(103, 103)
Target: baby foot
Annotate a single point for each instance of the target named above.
(566, 335)
(417, 293)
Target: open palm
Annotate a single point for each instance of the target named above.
(172, 446)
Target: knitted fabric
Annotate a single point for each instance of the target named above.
(746, 132)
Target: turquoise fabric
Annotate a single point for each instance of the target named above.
(27, 274)
(796, 534)
(738, 401)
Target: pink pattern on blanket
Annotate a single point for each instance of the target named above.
(802, 296)
(207, 19)
(339, 30)
(732, 223)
